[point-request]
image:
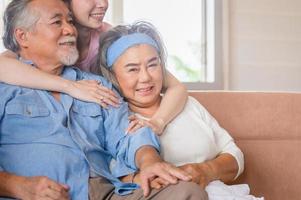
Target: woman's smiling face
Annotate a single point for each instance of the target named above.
(89, 13)
(140, 75)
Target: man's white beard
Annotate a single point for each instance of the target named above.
(70, 58)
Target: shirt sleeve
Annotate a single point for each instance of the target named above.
(223, 140)
(122, 146)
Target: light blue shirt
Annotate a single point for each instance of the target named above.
(67, 141)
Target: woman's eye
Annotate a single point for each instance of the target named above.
(153, 65)
(133, 70)
(58, 22)
(71, 21)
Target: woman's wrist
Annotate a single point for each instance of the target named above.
(210, 170)
(68, 86)
(158, 124)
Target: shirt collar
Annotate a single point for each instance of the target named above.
(69, 73)
(29, 62)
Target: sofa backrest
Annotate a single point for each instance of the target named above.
(267, 128)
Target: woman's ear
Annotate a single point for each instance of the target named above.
(21, 37)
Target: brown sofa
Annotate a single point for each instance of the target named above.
(267, 128)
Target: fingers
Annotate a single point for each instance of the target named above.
(58, 187)
(145, 185)
(137, 123)
(92, 91)
(44, 188)
(56, 190)
(101, 102)
(162, 181)
(132, 117)
(179, 173)
(54, 194)
(109, 101)
(171, 173)
(107, 95)
(66, 187)
(134, 126)
(167, 173)
(157, 183)
(131, 127)
(164, 174)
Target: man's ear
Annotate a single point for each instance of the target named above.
(21, 36)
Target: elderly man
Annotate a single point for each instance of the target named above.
(56, 147)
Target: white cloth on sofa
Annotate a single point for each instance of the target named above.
(217, 190)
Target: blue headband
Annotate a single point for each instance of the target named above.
(124, 42)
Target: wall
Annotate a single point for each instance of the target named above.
(263, 51)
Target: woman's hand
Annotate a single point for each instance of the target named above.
(159, 174)
(200, 172)
(92, 91)
(155, 183)
(157, 125)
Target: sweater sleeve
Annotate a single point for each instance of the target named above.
(225, 143)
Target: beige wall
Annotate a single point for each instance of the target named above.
(263, 51)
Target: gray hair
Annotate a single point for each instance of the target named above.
(107, 38)
(17, 15)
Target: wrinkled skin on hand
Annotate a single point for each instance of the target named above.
(40, 188)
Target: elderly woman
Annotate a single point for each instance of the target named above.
(133, 58)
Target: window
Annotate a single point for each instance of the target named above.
(189, 30)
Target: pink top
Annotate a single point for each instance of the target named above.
(91, 58)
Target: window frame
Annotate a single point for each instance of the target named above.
(214, 48)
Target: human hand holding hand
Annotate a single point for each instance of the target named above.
(41, 188)
(92, 91)
(160, 173)
(200, 172)
(155, 183)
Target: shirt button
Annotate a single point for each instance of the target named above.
(28, 112)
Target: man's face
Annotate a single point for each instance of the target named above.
(52, 40)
